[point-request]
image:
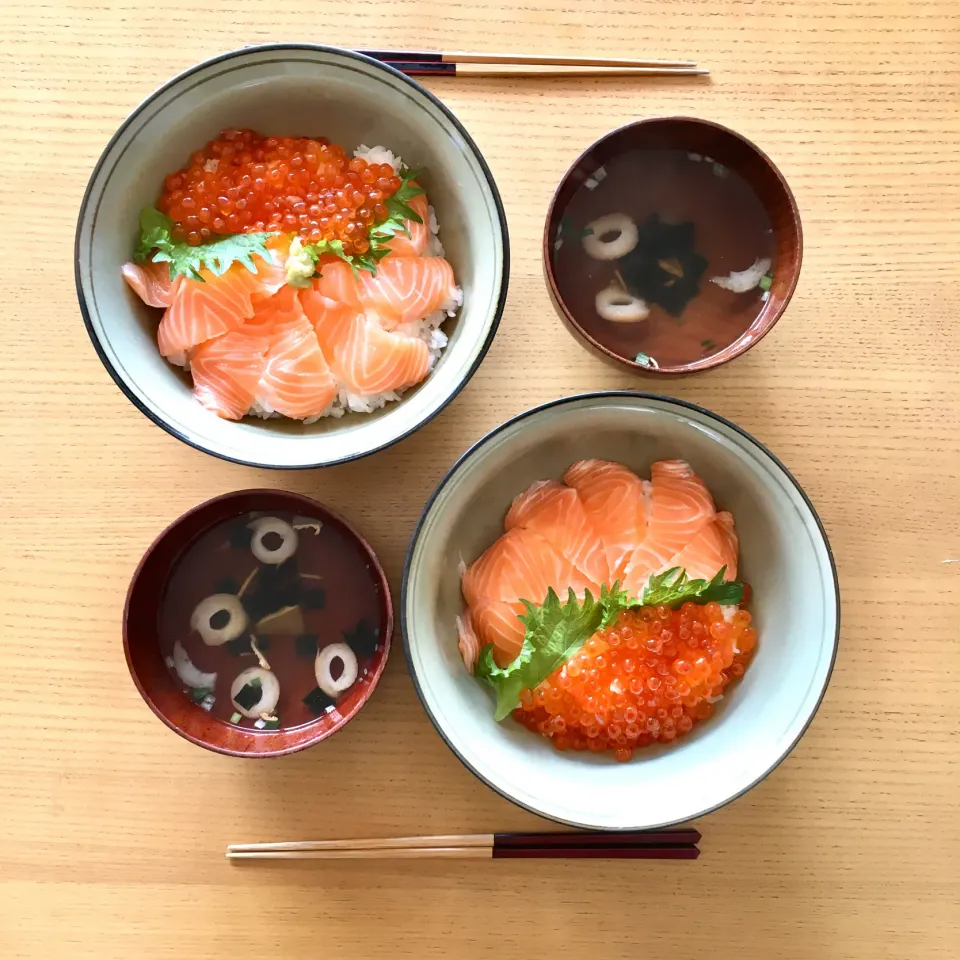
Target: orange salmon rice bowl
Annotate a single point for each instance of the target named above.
(620, 610)
(291, 256)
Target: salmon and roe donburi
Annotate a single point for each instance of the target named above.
(296, 280)
(608, 616)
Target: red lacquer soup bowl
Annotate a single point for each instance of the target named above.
(151, 608)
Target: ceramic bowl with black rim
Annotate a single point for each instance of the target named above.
(288, 90)
(784, 555)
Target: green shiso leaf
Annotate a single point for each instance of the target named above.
(216, 255)
(555, 632)
(672, 588)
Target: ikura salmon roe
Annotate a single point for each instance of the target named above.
(649, 678)
(244, 183)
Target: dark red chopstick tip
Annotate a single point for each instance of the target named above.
(679, 852)
(404, 56)
(636, 838)
(421, 68)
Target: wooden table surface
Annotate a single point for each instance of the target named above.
(112, 829)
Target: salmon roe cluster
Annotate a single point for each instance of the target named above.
(244, 183)
(650, 677)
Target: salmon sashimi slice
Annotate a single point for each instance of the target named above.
(151, 282)
(205, 309)
(406, 289)
(227, 370)
(468, 642)
(337, 282)
(271, 275)
(713, 547)
(367, 359)
(520, 565)
(498, 622)
(556, 512)
(680, 506)
(416, 243)
(324, 310)
(615, 500)
(296, 380)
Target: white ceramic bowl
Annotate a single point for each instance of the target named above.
(287, 89)
(785, 556)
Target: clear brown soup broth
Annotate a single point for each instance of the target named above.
(350, 598)
(731, 231)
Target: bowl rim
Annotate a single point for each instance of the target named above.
(307, 504)
(309, 48)
(698, 366)
(598, 396)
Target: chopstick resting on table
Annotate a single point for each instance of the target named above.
(427, 63)
(658, 845)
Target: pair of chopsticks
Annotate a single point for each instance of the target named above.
(648, 845)
(416, 63)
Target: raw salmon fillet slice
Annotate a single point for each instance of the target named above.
(496, 622)
(202, 310)
(205, 309)
(369, 360)
(271, 275)
(323, 309)
(556, 512)
(680, 506)
(616, 500)
(151, 282)
(406, 289)
(227, 370)
(296, 380)
(337, 282)
(521, 565)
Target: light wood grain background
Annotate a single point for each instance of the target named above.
(112, 828)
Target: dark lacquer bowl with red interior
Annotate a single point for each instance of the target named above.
(671, 246)
(257, 624)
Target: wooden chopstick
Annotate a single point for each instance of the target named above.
(428, 56)
(673, 844)
(680, 852)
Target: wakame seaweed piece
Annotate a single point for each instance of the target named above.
(317, 701)
(314, 598)
(241, 536)
(307, 645)
(273, 588)
(663, 268)
(363, 639)
(249, 695)
(226, 585)
(238, 646)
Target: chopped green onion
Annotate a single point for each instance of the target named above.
(765, 282)
(198, 694)
(236, 717)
